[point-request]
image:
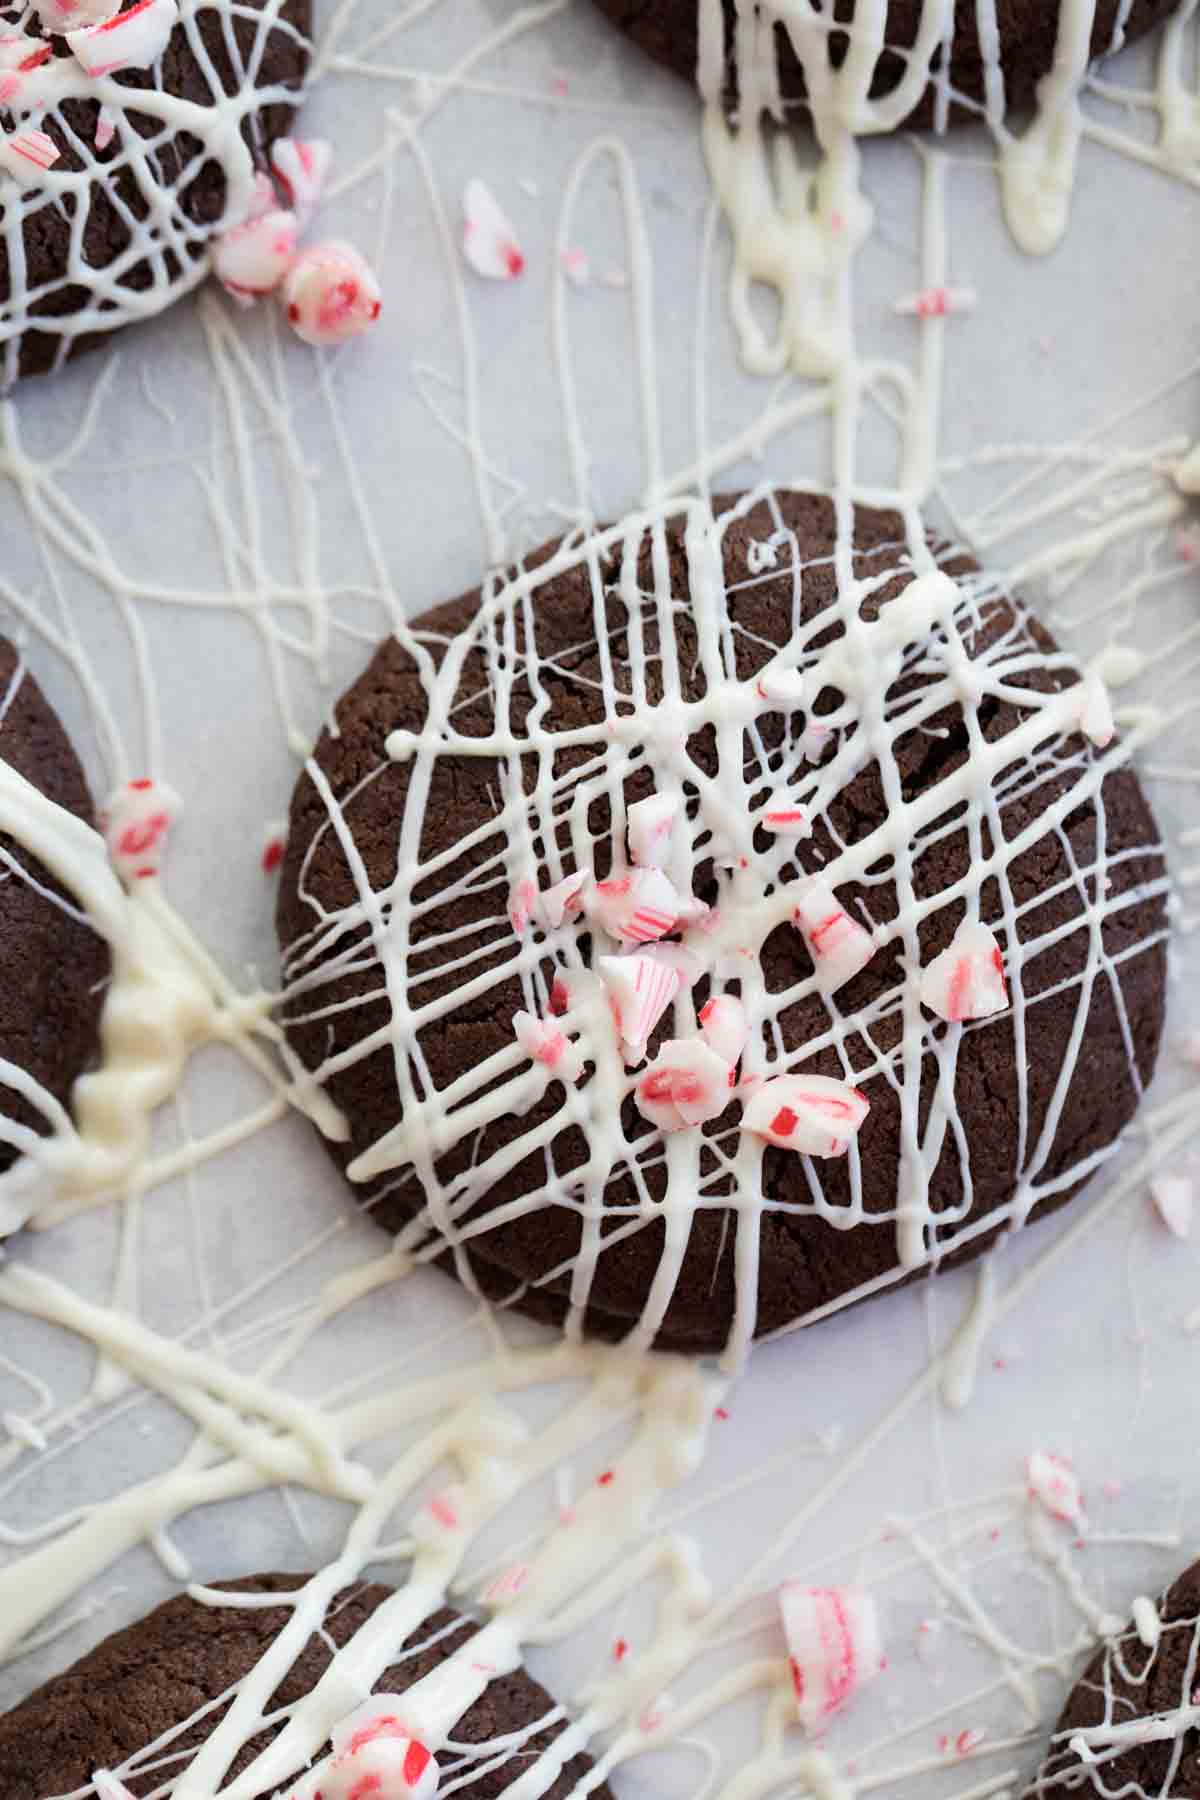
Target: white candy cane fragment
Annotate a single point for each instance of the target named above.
(302, 168)
(60, 16)
(28, 154)
(783, 816)
(650, 825)
(835, 1647)
(1174, 1197)
(838, 944)
(724, 1026)
(19, 58)
(546, 1045)
(331, 295)
(132, 40)
(107, 1787)
(812, 1114)
(781, 687)
(251, 260)
(137, 823)
(1095, 713)
(967, 980)
(640, 989)
(686, 1084)
(562, 901)
(937, 302)
(106, 127)
(374, 1754)
(522, 898)
(639, 908)
(1053, 1484)
(489, 241)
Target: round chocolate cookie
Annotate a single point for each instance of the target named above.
(976, 82)
(1130, 1725)
(145, 1700)
(54, 964)
(118, 225)
(843, 766)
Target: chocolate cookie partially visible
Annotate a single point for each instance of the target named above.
(112, 186)
(54, 965)
(1131, 1724)
(145, 1700)
(748, 760)
(997, 54)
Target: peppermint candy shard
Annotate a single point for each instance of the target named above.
(137, 824)
(555, 903)
(376, 1752)
(28, 154)
(812, 1114)
(251, 260)
(331, 295)
(724, 1026)
(130, 40)
(782, 816)
(967, 980)
(638, 908)
(301, 167)
(547, 1045)
(686, 1084)
(839, 946)
(835, 1647)
(650, 825)
(489, 241)
(640, 989)
(1052, 1482)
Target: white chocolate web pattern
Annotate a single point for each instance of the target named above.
(672, 696)
(115, 232)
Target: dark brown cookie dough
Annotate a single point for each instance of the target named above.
(807, 1263)
(1028, 29)
(1128, 1681)
(54, 967)
(158, 1674)
(72, 246)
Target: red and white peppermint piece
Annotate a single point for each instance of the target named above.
(331, 295)
(1095, 712)
(376, 1756)
(137, 823)
(60, 16)
(838, 944)
(19, 58)
(686, 1084)
(640, 989)
(650, 825)
(724, 1026)
(302, 168)
(489, 241)
(106, 127)
(132, 40)
(1053, 1484)
(251, 260)
(639, 908)
(263, 199)
(562, 901)
(107, 1787)
(812, 1114)
(967, 980)
(783, 816)
(1174, 1197)
(937, 302)
(545, 1044)
(522, 898)
(28, 154)
(835, 1647)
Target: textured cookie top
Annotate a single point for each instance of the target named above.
(144, 1700)
(148, 162)
(448, 913)
(54, 965)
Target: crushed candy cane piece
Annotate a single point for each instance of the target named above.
(137, 823)
(331, 294)
(1175, 1198)
(251, 260)
(649, 827)
(60, 16)
(686, 1084)
(263, 198)
(375, 1753)
(1053, 1483)
(937, 302)
(967, 980)
(835, 1647)
(639, 908)
(1095, 710)
(19, 58)
(131, 40)
(640, 989)
(812, 1114)
(302, 168)
(839, 945)
(545, 1044)
(556, 903)
(724, 1026)
(560, 997)
(489, 241)
(107, 1787)
(522, 898)
(106, 127)
(28, 154)
(784, 817)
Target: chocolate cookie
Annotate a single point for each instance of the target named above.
(1130, 1726)
(852, 767)
(54, 964)
(145, 1700)
(118, 226)
(975, 82)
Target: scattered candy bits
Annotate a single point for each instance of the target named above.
(251, 260)
(649, 829)
(838, 944)
(686, 1084)
(967, 980)
(812, 1114)
(640, 989)
(331, 294)
(128, 40)
(27, 154)
(137, 823)
(374, 1754)
(834, 1647)
(545, 1044)
(59, 16)
(489, 241)
(639, 908)
(724, 1026)
(1053, 1484)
